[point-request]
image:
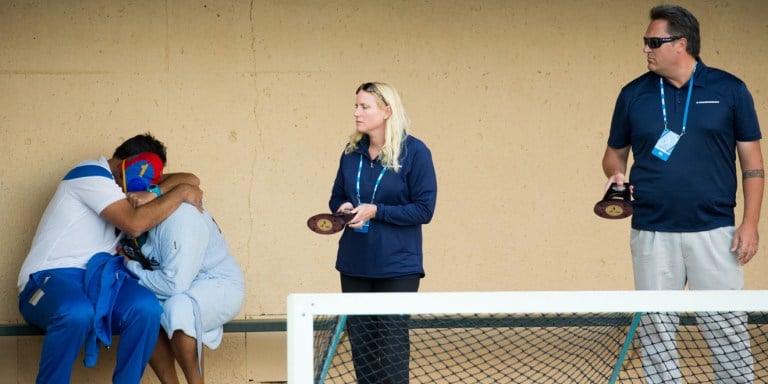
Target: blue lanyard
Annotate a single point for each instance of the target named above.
(375, 187)
(687, 101)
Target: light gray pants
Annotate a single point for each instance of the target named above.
(702, 260)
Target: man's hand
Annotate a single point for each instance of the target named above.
(138, 199)
(745, 243)
(192, 195)
(616, 178)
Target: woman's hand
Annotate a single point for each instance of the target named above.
(363, 213)
(344, 208)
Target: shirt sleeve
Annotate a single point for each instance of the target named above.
(179, 244)
(338, 197)
(747, 126)
(98, 192)
(421, 182)
(619, 135)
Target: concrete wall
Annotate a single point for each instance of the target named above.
(513, 97)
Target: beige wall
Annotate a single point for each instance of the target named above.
(513, 97)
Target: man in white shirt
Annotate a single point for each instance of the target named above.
(82, 222)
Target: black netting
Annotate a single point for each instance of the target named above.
(551, 348)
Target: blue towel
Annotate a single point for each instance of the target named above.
(104, 275)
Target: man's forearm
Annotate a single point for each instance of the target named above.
(615, 161)
(753, 184)
(171, 180)
(158, 209)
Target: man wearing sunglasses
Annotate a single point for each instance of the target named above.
(685, 123)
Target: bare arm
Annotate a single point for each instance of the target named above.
(746, 238)
(615, 165)
(137, 220)
(167, 183)
(171, 180)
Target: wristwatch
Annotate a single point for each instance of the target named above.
(154, 188)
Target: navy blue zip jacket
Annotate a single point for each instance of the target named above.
(404, 200)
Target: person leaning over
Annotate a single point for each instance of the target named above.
(684, 123)
(59, 281)
(198, 282)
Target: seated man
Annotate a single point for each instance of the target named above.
(198, 282)
(78, 231)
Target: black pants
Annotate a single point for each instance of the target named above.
(381, 347)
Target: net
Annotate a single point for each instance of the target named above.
(529, 337)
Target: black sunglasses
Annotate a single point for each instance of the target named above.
(655, 42)
(371, 88)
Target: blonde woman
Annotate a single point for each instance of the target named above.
(386, 179)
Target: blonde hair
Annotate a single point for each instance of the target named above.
(397, 125)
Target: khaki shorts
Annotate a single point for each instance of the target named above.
(670, 260)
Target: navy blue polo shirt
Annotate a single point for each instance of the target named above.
(695, 189)
(405, 200)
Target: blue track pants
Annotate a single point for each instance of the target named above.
(55, 300)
